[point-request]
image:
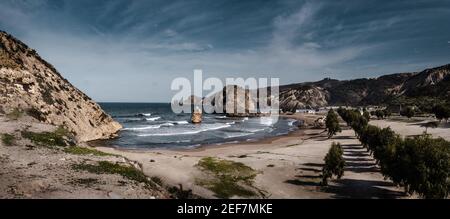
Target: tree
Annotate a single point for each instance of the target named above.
(430, 125)
(423, 166)
(366, 115)
(379, 114)
(387, 113)
(408, 112)
(334, 163)
(441, 112)
(332, 123)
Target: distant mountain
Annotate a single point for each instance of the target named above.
(431, 84)
(28, 83)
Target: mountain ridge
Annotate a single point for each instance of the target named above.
(366, 91)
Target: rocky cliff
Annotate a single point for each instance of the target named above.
(30, 84)
(434, 83)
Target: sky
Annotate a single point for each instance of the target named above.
(131, 50)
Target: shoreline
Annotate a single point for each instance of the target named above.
(287, 166)
(264, 140)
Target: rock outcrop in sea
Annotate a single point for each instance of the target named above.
(31, 85)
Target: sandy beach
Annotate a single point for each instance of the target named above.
(288, 166)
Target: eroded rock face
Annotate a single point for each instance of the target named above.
(29, 83)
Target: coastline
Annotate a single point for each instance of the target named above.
(287, 166)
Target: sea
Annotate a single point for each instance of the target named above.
(154, 125)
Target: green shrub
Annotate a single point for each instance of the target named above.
(85, 151)
(332, 123)
(56, 138)
(441, 112)
(408, 112)
(106, 167)
(8, 139)
(334, 163)
(422, 165)
(229, 178)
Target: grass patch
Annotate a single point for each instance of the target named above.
(8, 139)
(229, 178)
(15, 114)
(56, 138)
(106, 167)
(85, 151)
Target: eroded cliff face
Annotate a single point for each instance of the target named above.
(30, 84)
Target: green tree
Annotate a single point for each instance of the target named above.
(387, 113)
(433, 125)
(379, 114)
(332, 123)
(408, 112)
(334, 163)
(366, 115)
(423, 166)
(441, 112)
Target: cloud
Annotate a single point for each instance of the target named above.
(131, 50)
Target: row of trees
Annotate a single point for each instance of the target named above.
(420, 164)
(381, 114)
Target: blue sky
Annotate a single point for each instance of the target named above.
(124, 50)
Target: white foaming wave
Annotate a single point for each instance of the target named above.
(267, 121)
(221, 117)
(231, 123)
(179, 122)
(291, 123)
(153, 118)
(190, 132)
(143, 128)
(236, 135)
(255, 130)
(167, 124)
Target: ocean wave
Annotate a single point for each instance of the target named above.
(255, 130)
(187, 132)
(267, 121)
(142, 128)
(179, 122)
(236, 135)
(144, 114)
(153, 118)
(292, 122)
